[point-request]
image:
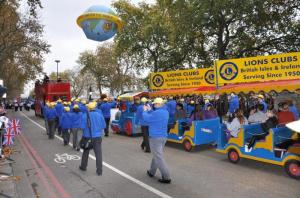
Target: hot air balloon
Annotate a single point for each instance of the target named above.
(99, 23)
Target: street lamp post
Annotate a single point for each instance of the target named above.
(57, 61)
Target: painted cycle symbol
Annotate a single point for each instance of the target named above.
(62, 158)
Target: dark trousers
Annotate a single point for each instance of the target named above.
(20, 108)
(66, 136)
(16, 108)
(51, 127)
(59, 130)
(255, 138)
(145, 143)
(98, 154)
(106, 130)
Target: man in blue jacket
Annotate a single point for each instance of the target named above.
(234, 103)
(105, 108)
(51, 116)
(157, 121)
(144, 128)
(59, 107)
(171, 106)
(93, 124)
(45, 109)
(65, 124)
(76, 125)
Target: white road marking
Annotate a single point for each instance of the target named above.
(63, 158)
(125, 175)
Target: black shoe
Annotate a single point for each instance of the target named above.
(106, 135)
(65, 143)
(142, 146)
(147, 151)
(78, 149)
(149, 174)
(99, 174)
(165, 181)
(82, 169)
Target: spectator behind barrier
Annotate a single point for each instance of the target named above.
(259, 116)
(285, 116)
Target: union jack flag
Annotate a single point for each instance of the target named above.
(8, 137)
(15, 126)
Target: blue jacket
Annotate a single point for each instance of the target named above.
(158, 122)
(51, 114)
(113, 104)
(76, 120)
(234, 104)
(59, 109)
(265, 106)
(65, 120)
(105, 108)
(190, 109)
(82, 108)
(139, 116)
(97, 124)
(45, 109)
(171, 106)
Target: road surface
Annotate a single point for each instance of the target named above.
(199, 174)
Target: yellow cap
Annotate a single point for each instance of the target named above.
(59, 100)
(92, 105)
(65, 103)
(52, 104)
(144, 99)
(260, 96)
(83, 101)
(192, 102)
(181, 100)
(76, 106)
(158, 101)
(67, 109)
(206, 101)
(77, 100)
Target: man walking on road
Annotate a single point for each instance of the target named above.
(105, 108)
(157, 121)
(51, 119)
(144, 128)
(93, 125)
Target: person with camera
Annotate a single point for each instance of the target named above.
(157, 121)
(93, 126)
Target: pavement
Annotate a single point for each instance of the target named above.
(49, 169)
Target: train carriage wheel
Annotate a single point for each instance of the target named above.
(292, 168)
(128, 127)
(233, 156)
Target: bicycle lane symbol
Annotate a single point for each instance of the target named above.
(63, 158)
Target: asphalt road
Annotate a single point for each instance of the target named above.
(202, 173)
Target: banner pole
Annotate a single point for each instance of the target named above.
(216, 77)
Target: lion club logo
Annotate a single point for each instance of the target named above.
(158, 80)
(228, 71)
(107, 26)
(210, 76)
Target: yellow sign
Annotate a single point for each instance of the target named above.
(182, 79)
(260, 68)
